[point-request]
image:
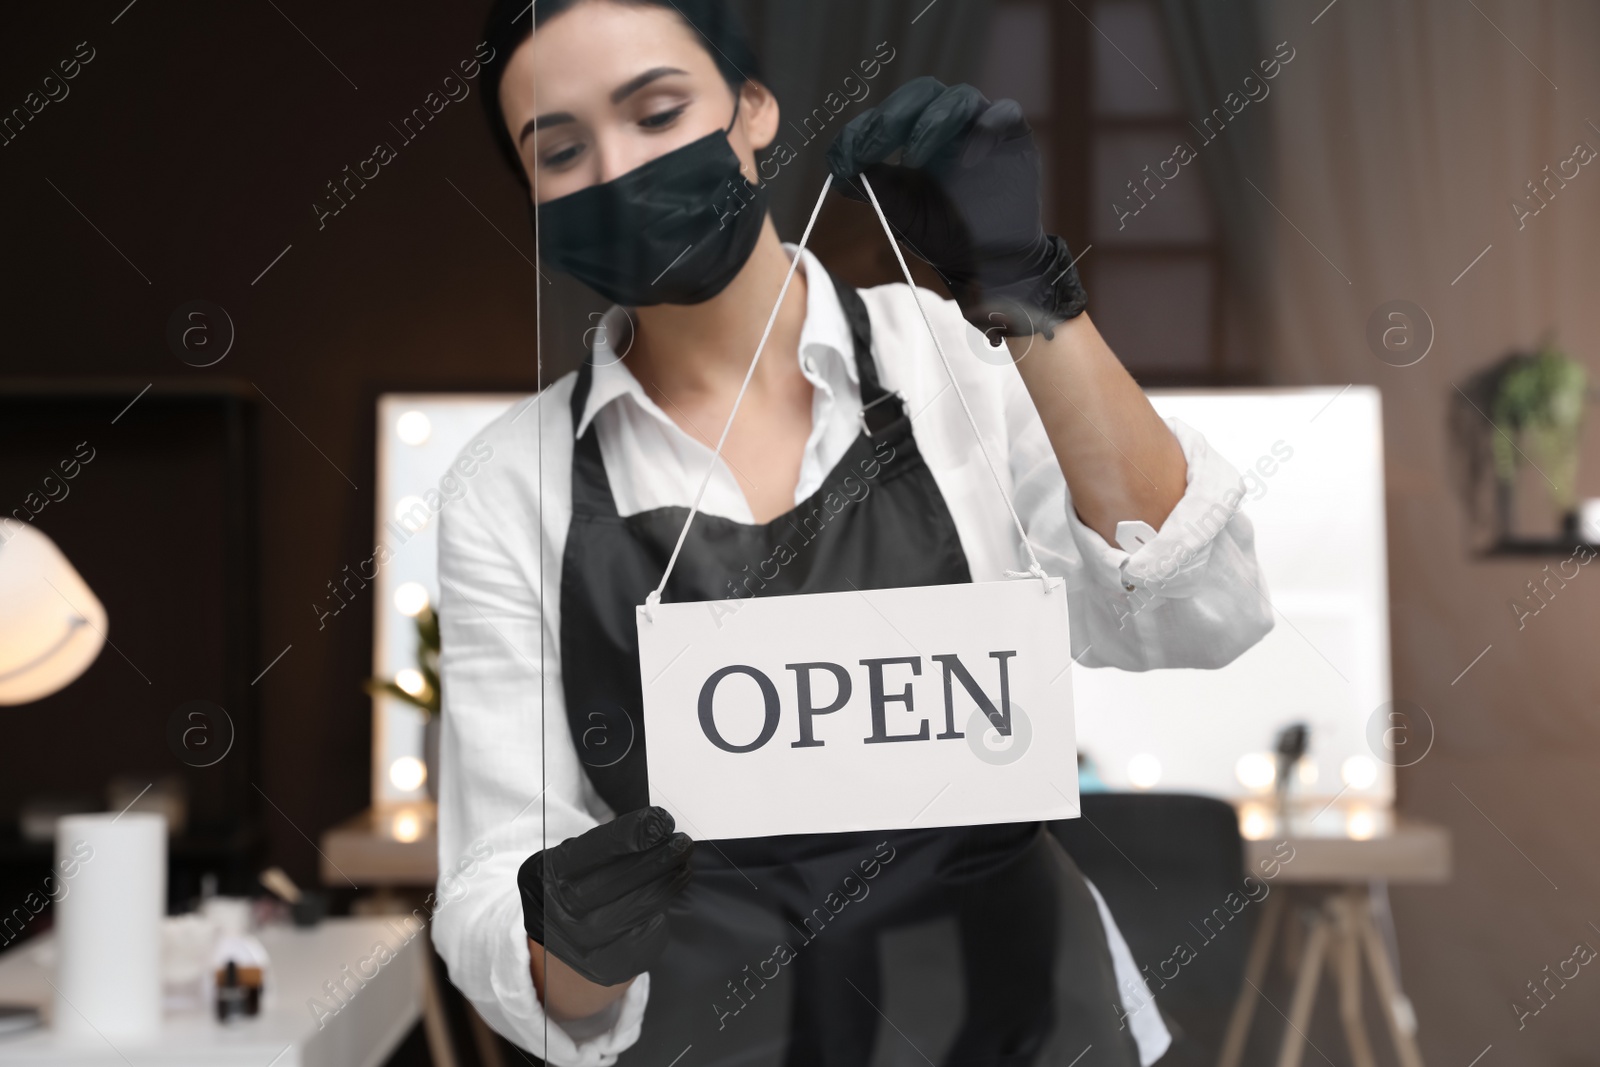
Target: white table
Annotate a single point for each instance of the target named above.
(286, 1033)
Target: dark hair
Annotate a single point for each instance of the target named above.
(511, 22)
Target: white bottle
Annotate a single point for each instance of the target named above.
(239, 978)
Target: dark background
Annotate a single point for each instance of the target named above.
(195, 142)
(162, 528)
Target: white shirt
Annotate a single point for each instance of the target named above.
(1187, 597)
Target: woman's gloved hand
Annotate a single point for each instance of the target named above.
(599, 900)
(965, 197)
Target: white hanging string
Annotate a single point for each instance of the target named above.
(1034, 568)
(654, 598)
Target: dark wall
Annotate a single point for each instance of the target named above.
(184, 158)
(152, 511)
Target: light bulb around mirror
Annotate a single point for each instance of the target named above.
(407, 774)
(1359, 772)
(411, 680)
(1361, 823)
(1255, 822)
(407, 827)
(1256, 771)
(1144, 771)
(413, 428)
(412, 513)
(411, 598)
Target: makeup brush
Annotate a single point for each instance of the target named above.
(281, 884)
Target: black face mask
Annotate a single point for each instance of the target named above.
(673, 231)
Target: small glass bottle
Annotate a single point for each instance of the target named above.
(240, 969)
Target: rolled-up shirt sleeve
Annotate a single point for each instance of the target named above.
(1190, 596)
(511, 783)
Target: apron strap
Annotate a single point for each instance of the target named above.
(855, 313)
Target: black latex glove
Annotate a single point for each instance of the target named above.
(965, 198)
(599, 900)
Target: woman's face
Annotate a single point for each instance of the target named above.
(605, 87)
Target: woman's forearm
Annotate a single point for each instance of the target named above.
(564, 992)
(1121, 461)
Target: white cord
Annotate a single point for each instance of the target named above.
(655, 595)
(1034, 567)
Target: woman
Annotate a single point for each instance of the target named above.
(594, 933)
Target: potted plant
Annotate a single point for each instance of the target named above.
(1537, 408)
(419, 687)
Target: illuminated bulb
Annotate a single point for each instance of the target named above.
(406, 513)
(407, 773)
(1144, 771)
(1307, 772)
(413, 427)
(1359, 772)
(1360, 824)
(411, 598)
(1256, 770)
(1255, 824)
(407, 827)
(410, 679)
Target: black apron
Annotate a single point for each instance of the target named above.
(968, 945)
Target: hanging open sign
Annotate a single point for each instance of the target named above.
(883, 709)
(942, 705)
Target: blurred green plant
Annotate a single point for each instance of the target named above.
(426, 698)
(1538, 407)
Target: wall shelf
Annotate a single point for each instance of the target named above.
(1538, 546)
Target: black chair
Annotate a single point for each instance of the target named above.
(1171, 869)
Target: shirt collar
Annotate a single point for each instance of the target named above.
(824, 336)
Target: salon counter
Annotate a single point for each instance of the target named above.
(382, 1002)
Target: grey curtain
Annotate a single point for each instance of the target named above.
(1215, 44)
(810, 47)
